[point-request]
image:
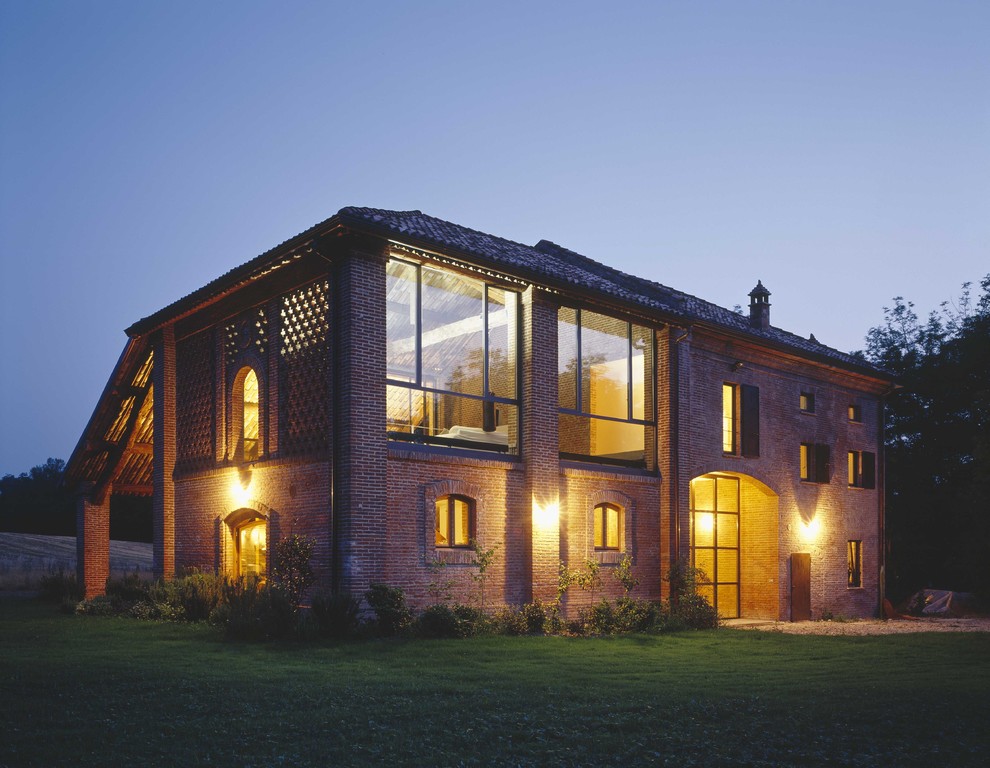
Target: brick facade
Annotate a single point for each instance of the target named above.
(312, 327)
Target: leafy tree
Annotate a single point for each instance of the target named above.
(937, 443)
(37, 502)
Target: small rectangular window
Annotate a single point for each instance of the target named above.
(862, 469)
(807, 402)
(728, 418)
(854, 557)
(814, 462)
(855, 413)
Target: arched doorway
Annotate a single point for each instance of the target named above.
(734, 531)
(249, 535)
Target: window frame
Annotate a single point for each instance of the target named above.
(649, 384)
(854, 563)
(815, 463)
(745, 420)
(449, 499)
(806, 402)
(862, 469)
(416, 383)
(855, 413)
(237, 450)
(600, 515)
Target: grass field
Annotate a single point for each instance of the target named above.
(93, 691)
(26, 557)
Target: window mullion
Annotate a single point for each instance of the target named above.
(629, 373)
(419, 325)
(580, 364)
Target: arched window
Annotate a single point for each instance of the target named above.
(252, 548)
(608, 522)
(454, 521)
(245, 426)
(251, 430)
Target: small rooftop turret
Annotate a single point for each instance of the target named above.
(759, 307)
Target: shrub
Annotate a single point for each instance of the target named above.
(542, 617)
(392, 615)
(59, 586)
(258, 612)
(336, 615)
(508, 621)
(128, 589)
(290, 570)
(199, 594)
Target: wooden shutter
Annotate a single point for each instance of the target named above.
(869, 470)
(749, 426)
(822, 467)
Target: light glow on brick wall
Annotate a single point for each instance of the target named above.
(811, 529)
(546, 514)
(241, 486)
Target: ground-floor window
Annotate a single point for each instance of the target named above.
(715, 540)
(854, 557)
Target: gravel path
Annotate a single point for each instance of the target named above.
(868, 626)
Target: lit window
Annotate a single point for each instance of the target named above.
(252, 549)
(741, 419)
(728, 418)
(605, 387)
(608, 527)
(815, 463)
(251, 428)
(862, 469)
(854, 557)
(807, 402)
(454, 521)
(855, 413)
(452, 349)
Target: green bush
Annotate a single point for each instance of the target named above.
(542, 617)
(199, 594)
(59, 586)
(258, 611)
(290, 570)
(508, 621)
(392, 615)
(336, 615)
(128, 589)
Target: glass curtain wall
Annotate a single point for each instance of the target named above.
(715, 540)
(606, 384)
(452, 359)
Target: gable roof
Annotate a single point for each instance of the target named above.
(545, 263)
(548, 262)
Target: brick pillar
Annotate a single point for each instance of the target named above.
(163, 464)
(540, 518)
(92, 541)
(360, 498)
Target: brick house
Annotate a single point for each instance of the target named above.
(395, 386)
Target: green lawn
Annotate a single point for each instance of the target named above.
(90, 691)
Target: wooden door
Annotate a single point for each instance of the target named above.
(800, 586)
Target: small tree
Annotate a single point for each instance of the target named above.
(290, 570)
(483, 559)
(590, 579)
(440, 585)
(623, 574)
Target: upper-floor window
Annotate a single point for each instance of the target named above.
(608, 522)
(815, 467)
(605, 384)
(806, 402)
(862, 469)
(454, 521)
(452, 350)
(855, 412)
(246, 416)
(741, 419)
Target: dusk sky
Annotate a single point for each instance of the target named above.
(837, 151)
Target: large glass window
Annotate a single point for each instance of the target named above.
(605, 381)
(252, 549)
(452, 351)
(715, 540)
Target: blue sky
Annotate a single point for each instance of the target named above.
(837, 151)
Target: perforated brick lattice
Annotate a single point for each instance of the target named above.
(194, 381)
(305, 369)
(249, 331)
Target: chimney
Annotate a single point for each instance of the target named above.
(759, 307)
